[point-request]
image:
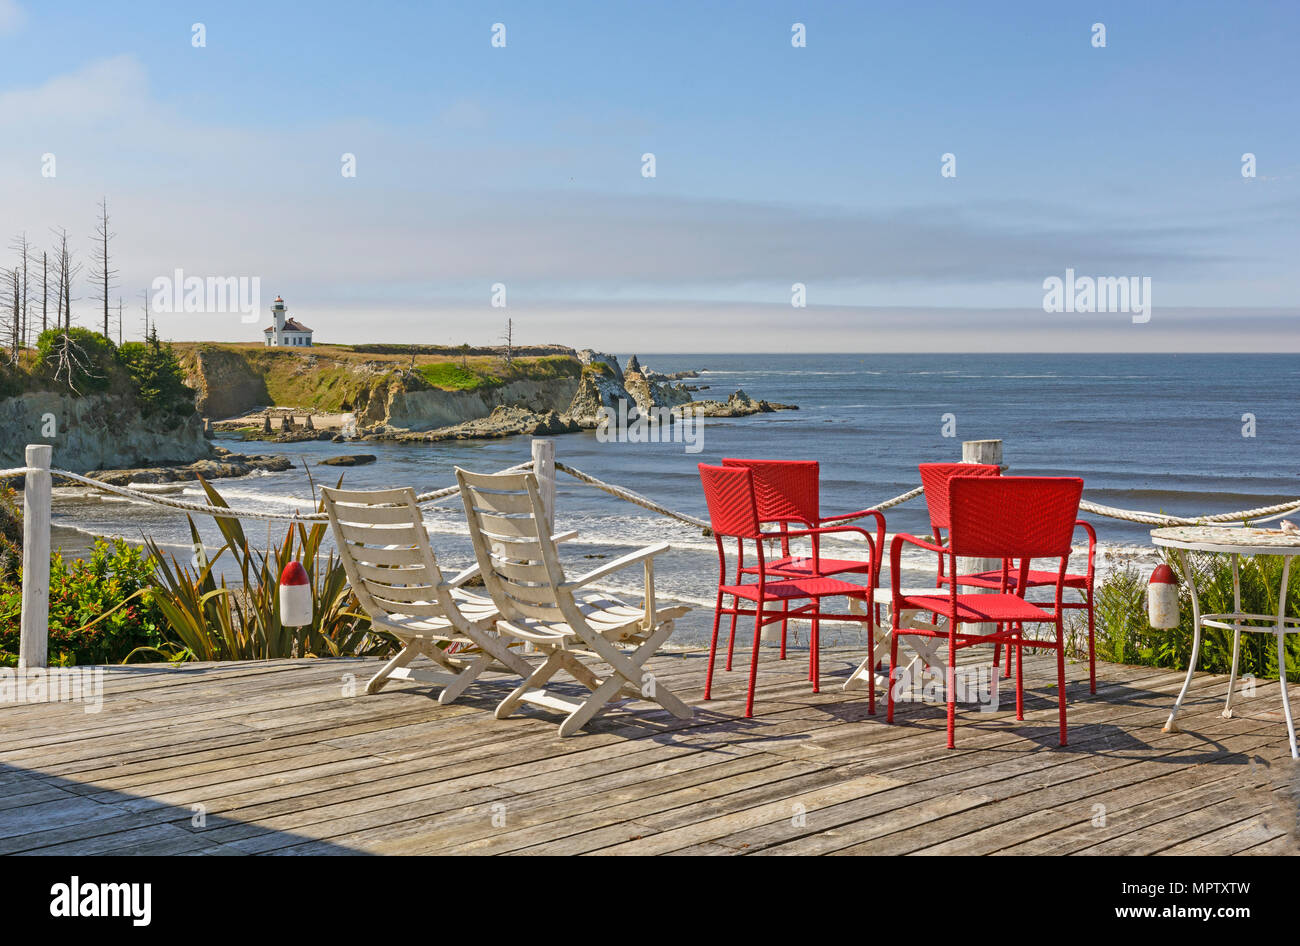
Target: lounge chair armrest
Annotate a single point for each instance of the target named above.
(632, 558)
(460, 577)
(559, 537)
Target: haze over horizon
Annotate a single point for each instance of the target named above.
(522, 165)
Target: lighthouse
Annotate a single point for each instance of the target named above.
(286, 330)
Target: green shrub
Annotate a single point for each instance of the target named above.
(158, 378)
(79, 359)
(116, 580)
(1124, 636)
(11, 533)
(210, 620)
(449, 376)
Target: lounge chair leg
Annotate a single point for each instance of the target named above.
(713, 648)
(404, 657)
(539, 676)
(599, 697)
(464, 679)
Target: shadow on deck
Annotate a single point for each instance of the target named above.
(285, 757)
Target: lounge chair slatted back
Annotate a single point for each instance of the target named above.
(394, 573)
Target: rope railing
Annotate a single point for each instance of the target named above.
(37, 500)
(1257, 514)
(222, 512)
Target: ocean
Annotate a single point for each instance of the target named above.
(1153, 432)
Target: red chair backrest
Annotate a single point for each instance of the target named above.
(935, 478)
(1012, 516)
(785, 490)
(729, 493)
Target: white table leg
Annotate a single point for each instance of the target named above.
(1236, 635)
(1281, 652)
(1171, 725)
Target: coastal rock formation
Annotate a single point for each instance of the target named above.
(600, 386)
(349, 459)
(432, 409)
(94, 432)
(225, 464)
(226, 382)
(738, 404)
(649, 394)
(589, 357)
(509, 421)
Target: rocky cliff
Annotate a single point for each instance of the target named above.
(95, 432)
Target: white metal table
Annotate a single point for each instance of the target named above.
(1235, 541)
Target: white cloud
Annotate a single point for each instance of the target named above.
(107, 88)
(423, 231)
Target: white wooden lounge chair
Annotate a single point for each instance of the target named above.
(393, 571)
(522, 572)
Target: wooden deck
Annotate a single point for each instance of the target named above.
(256, 758)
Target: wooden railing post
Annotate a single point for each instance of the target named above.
(544, 468)
(981, 451)
(33, 645)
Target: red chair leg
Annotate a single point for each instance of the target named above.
(950, 686)
(871, 662)
(713, 647)
(1008, 672)
(1060, 674)
(816, 659)
(893, 668)
(731, 639)
(785, 621)
(1020, 680)
(1092, 649)
(753, 661)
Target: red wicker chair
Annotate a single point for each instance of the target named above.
(935, 478)
(730, 494)
(1015, 519)
(787, 493)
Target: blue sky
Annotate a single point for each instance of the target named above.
(774, 165)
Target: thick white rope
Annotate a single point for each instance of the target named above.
(1258, 514)
(221, 512)
(624, 493)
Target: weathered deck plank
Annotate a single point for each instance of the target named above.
(280, 757)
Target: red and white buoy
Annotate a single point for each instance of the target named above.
(1162, 598)
(295, 596)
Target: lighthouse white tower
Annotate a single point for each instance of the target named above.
(278, 315)
(285, 330)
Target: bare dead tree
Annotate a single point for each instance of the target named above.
(12, 304)
(509, 339)
(45, 291)
(24, 249)
(102, 274)
(145, 294)
(70, 362)
(66, 270)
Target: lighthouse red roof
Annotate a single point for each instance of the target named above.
(290, 325)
